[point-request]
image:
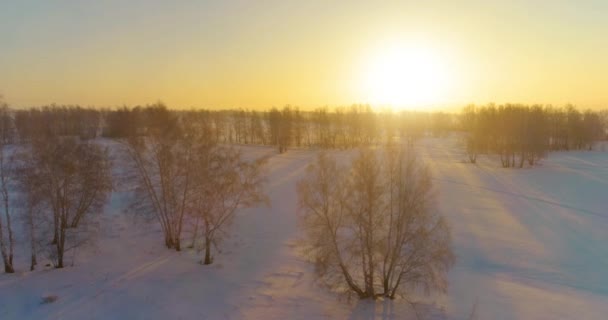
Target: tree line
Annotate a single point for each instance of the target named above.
(489, 128)
(288, 127)
(520, 134)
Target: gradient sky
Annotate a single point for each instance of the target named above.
(252, 54)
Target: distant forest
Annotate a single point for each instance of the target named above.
(517, 133)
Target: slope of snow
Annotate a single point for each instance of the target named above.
(530, 242)
(530, 245)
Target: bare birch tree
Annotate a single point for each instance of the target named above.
(73, 180)
(224, 182)
(371, 228)
(7, 240)
(417, 253)
(162, 161)
(32, 201)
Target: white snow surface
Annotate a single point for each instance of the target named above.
(530, 243)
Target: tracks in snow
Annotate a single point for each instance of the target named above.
(120, 281)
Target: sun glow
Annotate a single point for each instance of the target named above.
(406, 77)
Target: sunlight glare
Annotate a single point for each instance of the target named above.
(406, 77)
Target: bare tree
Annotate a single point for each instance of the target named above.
(183, 177)
(372, 229)
(7, 242)
(32, 201)
(276, 127)
(224, 182)
(321, 198)
(32, 218)
(592, 128)
(473, 139)
(7, 126)
(162, 162)
(417, 252)
(73, 180)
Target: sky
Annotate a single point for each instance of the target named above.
(259, 54)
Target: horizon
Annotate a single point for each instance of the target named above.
(227, 55)
(377, 109)
(456, 109)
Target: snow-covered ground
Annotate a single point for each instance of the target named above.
(531, 244)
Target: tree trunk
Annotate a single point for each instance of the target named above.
(33, 261)
(8, 268)
(6, 258)
(473, 158)
(168, 242)
(60, 247)
(56, 230)
(11, 241)
(195, 232)
(59, 257)
(177, 244)
(208, 258)
(168, 238)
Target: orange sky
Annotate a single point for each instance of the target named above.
(258, 54)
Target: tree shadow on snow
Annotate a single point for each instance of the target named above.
(395, 309)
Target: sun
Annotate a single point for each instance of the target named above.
(401, 76)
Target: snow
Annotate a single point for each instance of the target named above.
(530, 245)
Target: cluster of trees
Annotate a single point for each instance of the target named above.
(64, 181)
(521, 133)
(371, 227)
(185, 179)
(56, 180)
(54, 183)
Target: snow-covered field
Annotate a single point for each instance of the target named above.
(531, 244)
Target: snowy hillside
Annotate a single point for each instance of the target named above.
(530, 244)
